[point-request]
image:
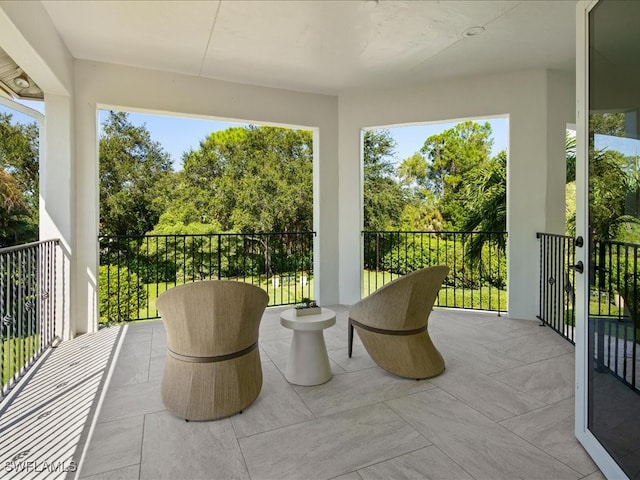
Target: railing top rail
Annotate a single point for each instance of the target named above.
(24, 246)
(174, 235)
(599, 240)
(617, 243)
(553, 235)
(439, 232)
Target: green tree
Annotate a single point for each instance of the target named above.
(246, 180)
(135, 177)
(420, 211)
(243, 180)
(614, 191)
(450, 156)
(19, 163)
(485, 202)
(606, 124)
(384, 198)
(15, 223)
(609, 186)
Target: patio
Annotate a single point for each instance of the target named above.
(502, 409)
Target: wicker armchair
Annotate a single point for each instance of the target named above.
(392, 324)
(213, 367)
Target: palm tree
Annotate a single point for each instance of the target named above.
(485, 197)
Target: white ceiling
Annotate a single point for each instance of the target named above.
(322, 46)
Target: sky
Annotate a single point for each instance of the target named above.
(178, 135)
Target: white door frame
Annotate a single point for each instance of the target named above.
(600, 456)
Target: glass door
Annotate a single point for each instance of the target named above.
(612, 233)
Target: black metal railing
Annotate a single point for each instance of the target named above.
(614, 300)
(135, 269)
(614, 308)
(478, 276)
(556, 298)
(27, 307)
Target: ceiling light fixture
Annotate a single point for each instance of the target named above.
(21, 81)
(473, 31)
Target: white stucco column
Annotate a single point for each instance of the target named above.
(535, 183)
(325, 211)
(87, 215)
(350, 217)
(29, 38)
(57, 203)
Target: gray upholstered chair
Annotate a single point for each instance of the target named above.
(392, 324)
(213, 367)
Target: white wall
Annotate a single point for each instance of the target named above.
(537, 102)
(101, 85)
(28, 36)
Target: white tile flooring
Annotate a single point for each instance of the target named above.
(503, 409)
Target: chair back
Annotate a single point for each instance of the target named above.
(403, 304)
(212, 318)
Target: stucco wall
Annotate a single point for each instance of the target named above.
(28, 36)
(101, 85)
(538, 103)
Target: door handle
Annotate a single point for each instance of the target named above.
(578, 267)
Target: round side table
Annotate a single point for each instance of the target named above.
(308, 362)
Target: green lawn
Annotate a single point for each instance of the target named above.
(284, 291)
(599, 305)
(15, 353)
(289, 290)
(485, 298)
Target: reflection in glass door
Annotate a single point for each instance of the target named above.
(614, 230)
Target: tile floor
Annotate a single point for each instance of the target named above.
(503, 409)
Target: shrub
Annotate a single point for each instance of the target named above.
(413, 255)
(121, 295)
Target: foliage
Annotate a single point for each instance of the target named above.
(421, 208)
(251, 179)
(608, 189)
(451, 155)
(122, 294)
(16, 225)
(422, 216)
(245, 180)
(606, 124)
(630, 290)
(19, 164)
(135, 177)
(415, 252)
(383, 198)
(614, 187)
(485, 198)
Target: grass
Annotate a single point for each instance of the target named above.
(614, 321)
(286, 292)
(289, 290)
(16, 352)
(485, 298)
(599, 305)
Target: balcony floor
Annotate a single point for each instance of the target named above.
(503, 408)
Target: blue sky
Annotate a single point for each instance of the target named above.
(179, 134)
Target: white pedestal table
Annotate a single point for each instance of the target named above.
(308, 362)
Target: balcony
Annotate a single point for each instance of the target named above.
(502, 409)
